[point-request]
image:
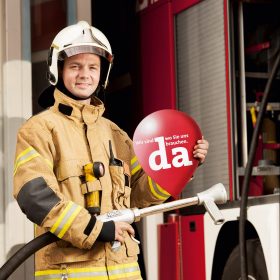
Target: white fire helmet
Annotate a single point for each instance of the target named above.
(75, 39)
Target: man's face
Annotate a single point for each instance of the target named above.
(81, 74)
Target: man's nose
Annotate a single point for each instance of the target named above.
(84, 72)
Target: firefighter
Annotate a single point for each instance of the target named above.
(54, 147)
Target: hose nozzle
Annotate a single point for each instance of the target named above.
(212, 196)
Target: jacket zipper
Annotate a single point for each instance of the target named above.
(64, 273)
(86, 128)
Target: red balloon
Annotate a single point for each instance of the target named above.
(163, 143)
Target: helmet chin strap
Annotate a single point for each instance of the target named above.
(60, 85)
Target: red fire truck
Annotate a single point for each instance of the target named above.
(212, 59)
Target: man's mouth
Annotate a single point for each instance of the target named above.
(82, 85)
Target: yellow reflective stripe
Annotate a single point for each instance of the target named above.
(93, 273)
(157, 190)
(70, 221)
(125, 275)
(133, 171)
(135, 166)
(71, 270)
(24, 153)
(26, 156)
(122, 266)
(134, 159)
(60, 218)
(124, 271)
(65, 220)
(85, 274)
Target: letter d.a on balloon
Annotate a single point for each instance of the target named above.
(164, 142)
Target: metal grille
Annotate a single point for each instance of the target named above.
(201, 85)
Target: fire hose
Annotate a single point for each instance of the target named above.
(209, 198)
(248, 170)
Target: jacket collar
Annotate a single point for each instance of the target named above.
(76, 110)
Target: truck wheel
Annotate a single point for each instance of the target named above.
(255, 260)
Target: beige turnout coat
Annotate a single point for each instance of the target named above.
(52, 148)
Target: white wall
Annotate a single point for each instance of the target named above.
(16, 107)
(84, 10)
(150, 245)
(2, 206)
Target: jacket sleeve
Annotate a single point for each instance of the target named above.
(37, 192)
(144, 190)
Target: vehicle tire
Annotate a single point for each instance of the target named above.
(255, 261)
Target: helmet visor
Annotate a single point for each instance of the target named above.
(68, 52)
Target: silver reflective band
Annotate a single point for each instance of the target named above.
(65, 219)
(68, 52)
(135, 164)
(123, 270)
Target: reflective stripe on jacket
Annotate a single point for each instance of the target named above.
(52, 149)
(122, 271)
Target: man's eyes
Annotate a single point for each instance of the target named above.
(93, 67)
(76, 67)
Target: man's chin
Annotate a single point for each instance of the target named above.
(83, 95)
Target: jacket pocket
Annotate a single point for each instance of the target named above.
(132, 248)
(69, 174)
(58, 254)
(68, 169)
(120, 177)
(127, 250)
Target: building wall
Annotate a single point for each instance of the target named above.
(2, 207)
(16, 107)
